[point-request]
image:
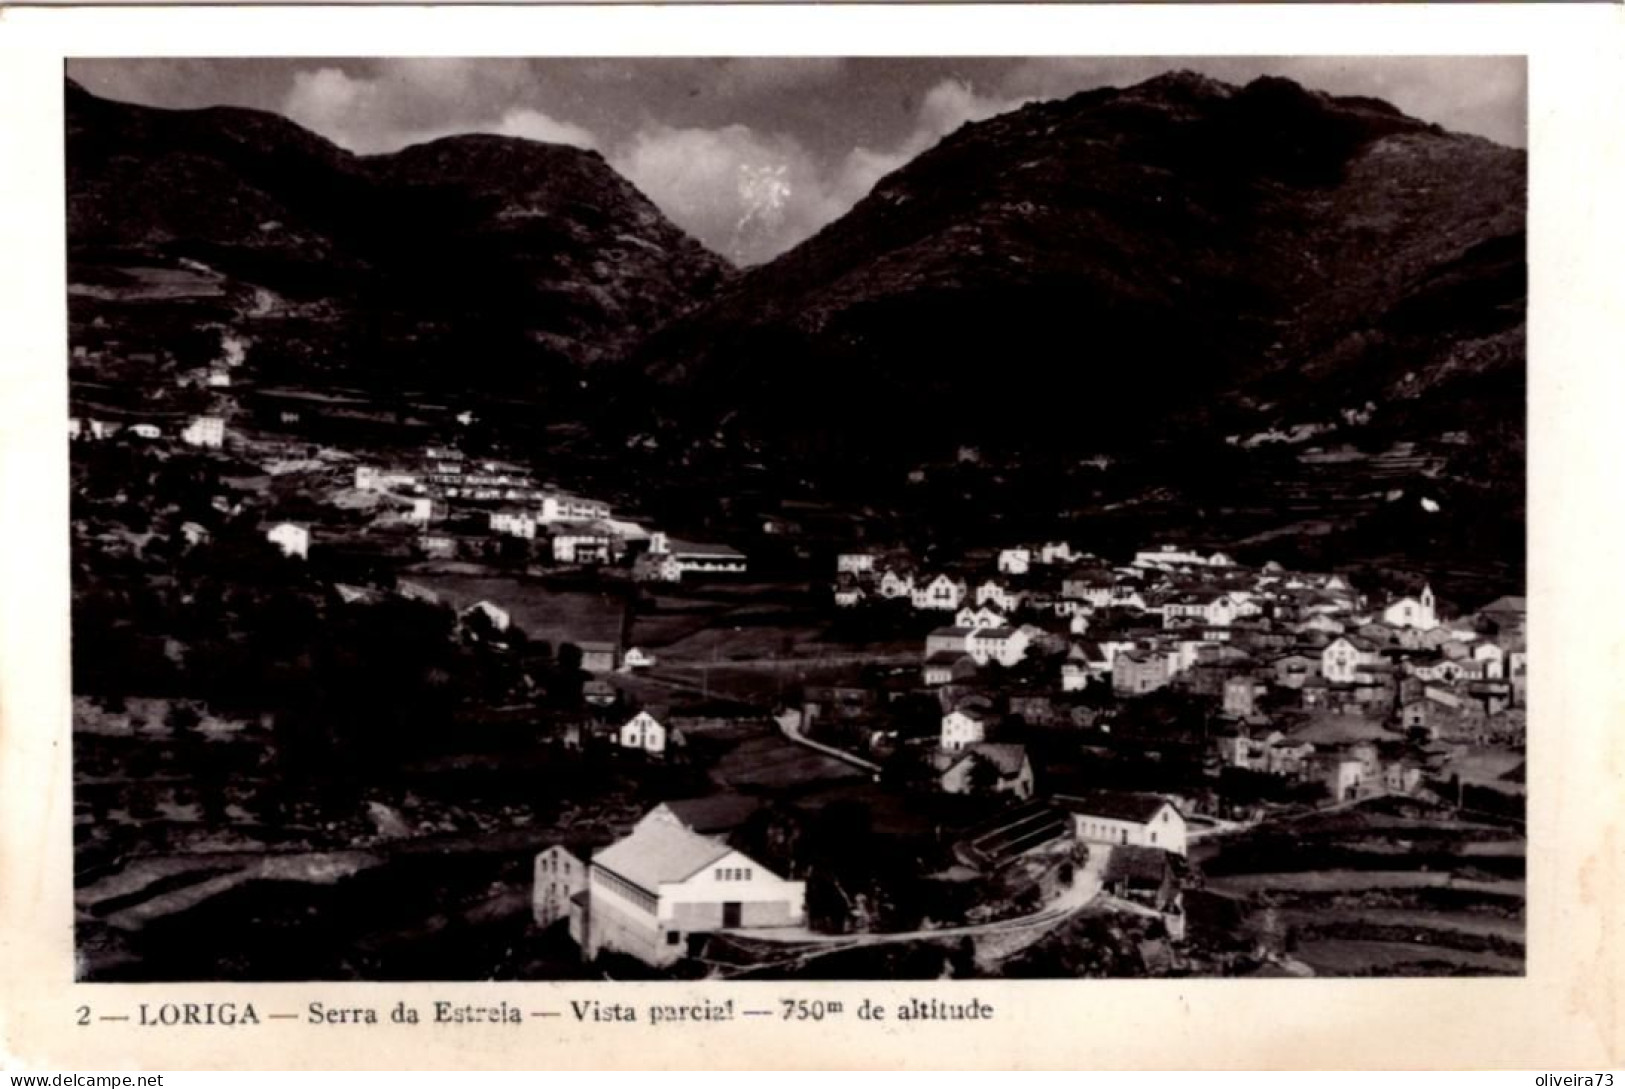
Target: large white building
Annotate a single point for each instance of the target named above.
(1114, 818)
(648, 892)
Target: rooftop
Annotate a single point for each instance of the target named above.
(1117, 805)
(659, 852)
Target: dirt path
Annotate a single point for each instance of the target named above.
(795, 735)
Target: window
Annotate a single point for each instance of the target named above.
(673, 937)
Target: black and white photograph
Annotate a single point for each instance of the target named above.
(797, 518)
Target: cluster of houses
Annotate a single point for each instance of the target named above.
(202, 431)
(573, 530)
(1276, 652)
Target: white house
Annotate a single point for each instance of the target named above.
(205, 431)
(1007, 646)
(559, 507)
(1015, 561)
(896, 583)
(855, 563)
(292, 538)
(514, 523)
(941, 593)
(1343, 660)
(582, 542)
(648, 892)
(1054, 552)
(638, 658)
(1115, 818)
(1494, 659)
(980, 617)
(1207, 607)
(963, 726)
(1412, 612)
(560, 875)
(995, 593)
(643, 731)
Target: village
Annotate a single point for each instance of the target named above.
(992, 753)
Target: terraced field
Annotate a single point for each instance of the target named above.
(1411, 890)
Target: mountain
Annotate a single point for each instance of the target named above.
(1181, 257)
(490, 263)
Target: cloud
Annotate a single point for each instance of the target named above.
(742, 193)
(413, 100)
(752, 195)
(944, 108)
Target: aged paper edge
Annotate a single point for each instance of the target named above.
(1567, 1012)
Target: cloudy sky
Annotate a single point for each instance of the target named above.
(752, 155)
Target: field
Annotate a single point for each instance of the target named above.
(541, 611)
(1380, 888)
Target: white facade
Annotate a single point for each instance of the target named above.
(513, 523)
(294, 540)
(1006, 646)
(855, 563)
(1412, 612)
(644, 732)
(648, 892)
(894, 584)
(1341, 662)
(1015, 561)
(960, 729)
(983, 617)
(581, 547)
(559, 875)
(941, 593)
(207, 431)
(996, 594)
(568, 508)
(1164, 828)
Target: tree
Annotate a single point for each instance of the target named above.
(182, 718)
(983, 776)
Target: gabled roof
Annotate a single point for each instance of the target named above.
(1131, 862)
(1117, 805)
(1008, 759)
(660, 852)
(692, 548)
